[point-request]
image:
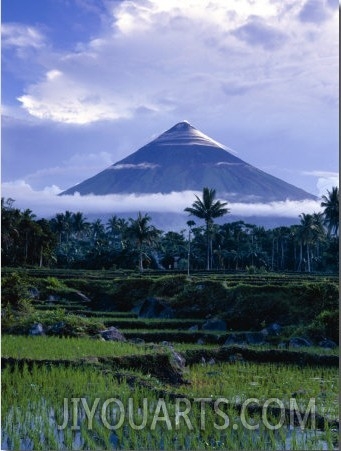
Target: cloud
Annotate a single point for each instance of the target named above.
(318, 173)
(21, 36)
(326, 180)
(135, 166)
(325, 184)
(158, 58)
(314, 11)
(62, 99)
(258, 33)
(47, 203)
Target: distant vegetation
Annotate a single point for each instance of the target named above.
(68, 240)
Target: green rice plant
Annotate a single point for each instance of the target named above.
(242, 380)
(49, 347)
(40, 392)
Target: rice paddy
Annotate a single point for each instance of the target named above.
(88, 409)
(19, 347)
(83, 393)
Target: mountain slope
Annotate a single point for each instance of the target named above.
(182, 159)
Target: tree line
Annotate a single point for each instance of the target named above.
(69, 240)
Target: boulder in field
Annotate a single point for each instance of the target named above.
(36, 329)
(215, 324)
(235, 339)
(155, 308)
(112, 334)
(298, 342)
(79, 296)
(254, 338)
(326, 343)
(33, 293)
(193, 328)
(272, 329)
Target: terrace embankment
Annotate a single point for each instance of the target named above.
(163, 366)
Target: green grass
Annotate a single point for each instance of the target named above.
(18, 346)
(51, 347)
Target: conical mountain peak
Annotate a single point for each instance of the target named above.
(183, 158)
(182, 125)
(183, 133)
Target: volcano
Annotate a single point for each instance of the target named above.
(182, 159)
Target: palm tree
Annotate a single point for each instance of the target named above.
(142, 233)
(311, 230)
(116, 228)
(27, 226)
(331, 210)
(97, 229)
(10, 219)
(79, 224)
(208, 209)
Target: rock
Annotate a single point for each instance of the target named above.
(235, 339)
(166, 343)
(33, 293)
(200, 341)
(112, 334)
(170, 368)
(81, 297)
(53, 298)
(254, 338)
(155, 308)
(193, 328)
(298, 342)
(177, 361)
(326, 343)
(36, 329)
(215, 324)
(272, 329)
(211, 362)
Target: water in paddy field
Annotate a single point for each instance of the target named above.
(29, 430)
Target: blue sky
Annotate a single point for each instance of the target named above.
(85, 83)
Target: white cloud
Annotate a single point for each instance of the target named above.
(319, 173)
(326, 180)
(134, 166)
(160, 57)
(325, 184)
(21, 36)
(48, 203)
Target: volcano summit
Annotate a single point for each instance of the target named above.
(182, 159)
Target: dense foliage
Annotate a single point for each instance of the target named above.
(68, 240)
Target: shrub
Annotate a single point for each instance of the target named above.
(255, 306)
(70, 325)
(168, 286)
(325, 325)
(15, 293)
